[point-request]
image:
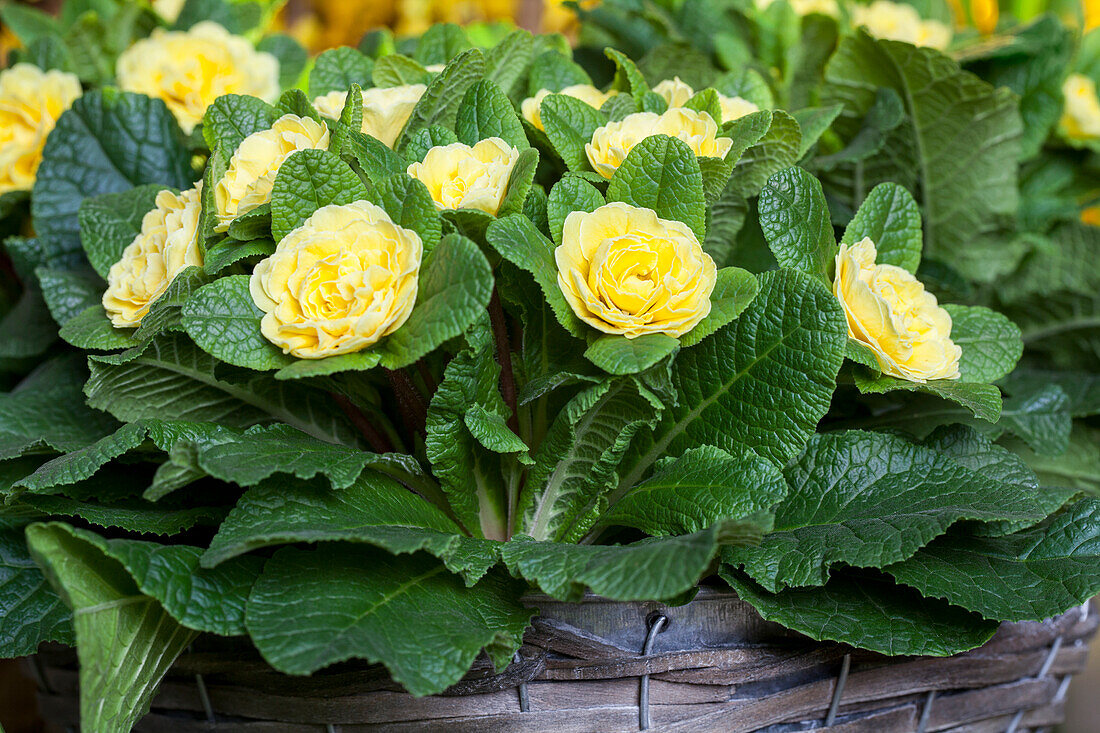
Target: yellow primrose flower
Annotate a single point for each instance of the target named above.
(168, 9)
(806, 7)
(613, 142)
(250, 176)
(190, 69)
(901, 22)
(338, 283)
(385, 110)
(31, 100)
(625, 271)
(590, 95)
(168, 243)
(889, 311)
(1081, 113)
(677, 93)
(463, 177)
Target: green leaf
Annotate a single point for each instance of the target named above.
(509, 61)
(990, 343)
(90, 329)
(762, 383)
(1082, 388)
(29, 24)
(419, 143)
(554, 71)
(486, 112)
(776, 150)
(374, 157)
(519, 182)
(569, 124)
(33, 612)
(125, 640)
(794, 217)
(1028, 576)
(627, 77)
(868, 613)
(295, 102)
(571, 193)
(890, 218)
(108, 141)
(396, 70)
(653, 569)
(308, 180)
(661, 173)
(350, 120)
(232, 118)
(172, 379)
(110, 222)
(868, 500)
(210, 600)
(619, 355)
(575, 465)
(47, 409)
(441, 43)
(491, 430)
(68, 292)
(230, 251)
(983, 400)
(958, 146)
(290, 54)
(1078, 467)
(130, 515)
(336, 69)
(693, 492)
(224, 321)
(164, 313)
(280, 511)
(440, 102)
(409, 205)
(813, 122)
(407, 613)
(254, 224)
(456, 282)
(1041, 418)
(517, 240)
(471, 478)
(733, 290)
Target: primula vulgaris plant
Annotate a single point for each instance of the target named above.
(420, 342)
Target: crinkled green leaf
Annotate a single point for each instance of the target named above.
(868, 500)
(869, 613)
(794, 217)
(110, 221)
(408, 613)
(693, 492)
(661, 173)
(232, 118)
(125, 640)
(570, 194)
(486, 112)
(555, 71)
(440, 102)
(652, 569)
(982, 400)
(760, 383)
(224, 321)
(733, 290)
(890, 218)
(409, 205)
(336, 69)
(776, 149)
(569, 124)
(230, 251)
(395, 70)
(308, 180)
(617, 354)
(33, 612)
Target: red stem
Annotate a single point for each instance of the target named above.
(413, 412)
(377, 440)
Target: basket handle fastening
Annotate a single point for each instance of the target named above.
(657, 623)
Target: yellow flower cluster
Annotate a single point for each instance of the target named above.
(385, 110)
(463, 177)
(531, 108)
(338, 283)
(168, 243)
(248, 181)
(31, 100)
(1081, 113)
(889, 311)
(626, 271)
(613, 142)
(190, 69)
(677, 93)
(901, 22)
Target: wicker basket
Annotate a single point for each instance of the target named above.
(598, 665)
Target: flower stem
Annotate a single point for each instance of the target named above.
(504, 356)
(379, 443)
(409, 402)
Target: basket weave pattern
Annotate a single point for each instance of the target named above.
(570, 678)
